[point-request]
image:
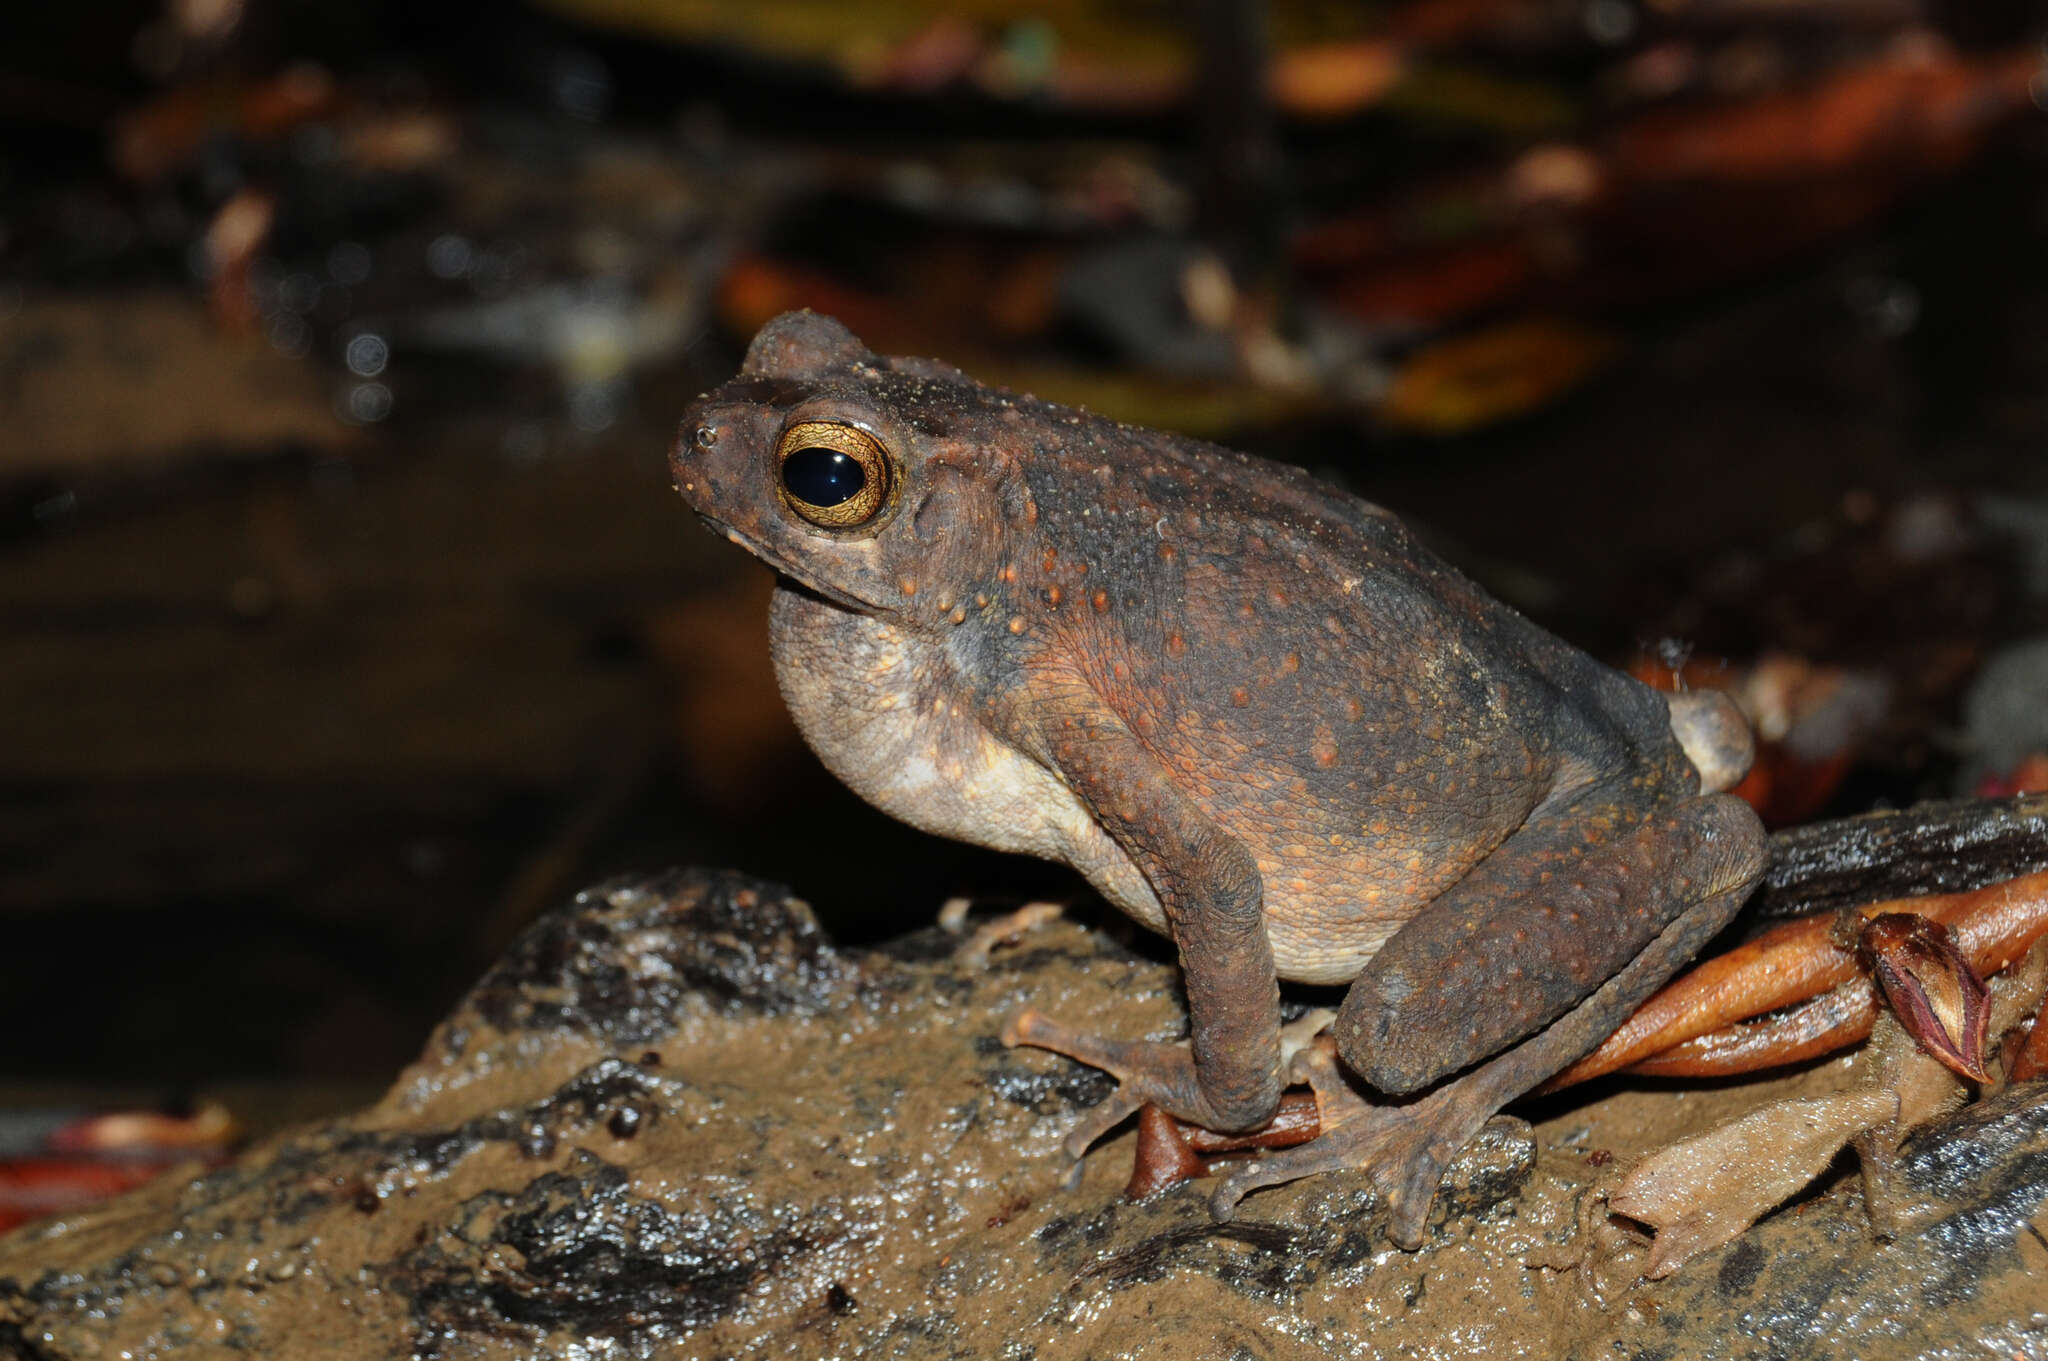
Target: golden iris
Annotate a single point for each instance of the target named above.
(835, 476)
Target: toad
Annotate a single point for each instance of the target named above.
(1254, 713)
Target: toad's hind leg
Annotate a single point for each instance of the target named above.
(1572, 923)
(1561, 907)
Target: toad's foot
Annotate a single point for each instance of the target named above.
(1403, 1147)
(1147, 1072)
(1163, 1074)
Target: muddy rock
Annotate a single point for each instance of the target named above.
(675, 1121)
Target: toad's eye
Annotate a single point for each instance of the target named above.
(836, 476)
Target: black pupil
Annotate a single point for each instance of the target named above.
(818, 476)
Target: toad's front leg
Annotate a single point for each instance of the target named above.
(1228, 1075)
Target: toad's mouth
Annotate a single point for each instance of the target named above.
(788, 574)
(785, 582)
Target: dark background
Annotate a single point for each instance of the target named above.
(349, 620)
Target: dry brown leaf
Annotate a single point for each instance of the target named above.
(1702, 1192)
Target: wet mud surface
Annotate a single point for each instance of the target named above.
(676, 1121)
